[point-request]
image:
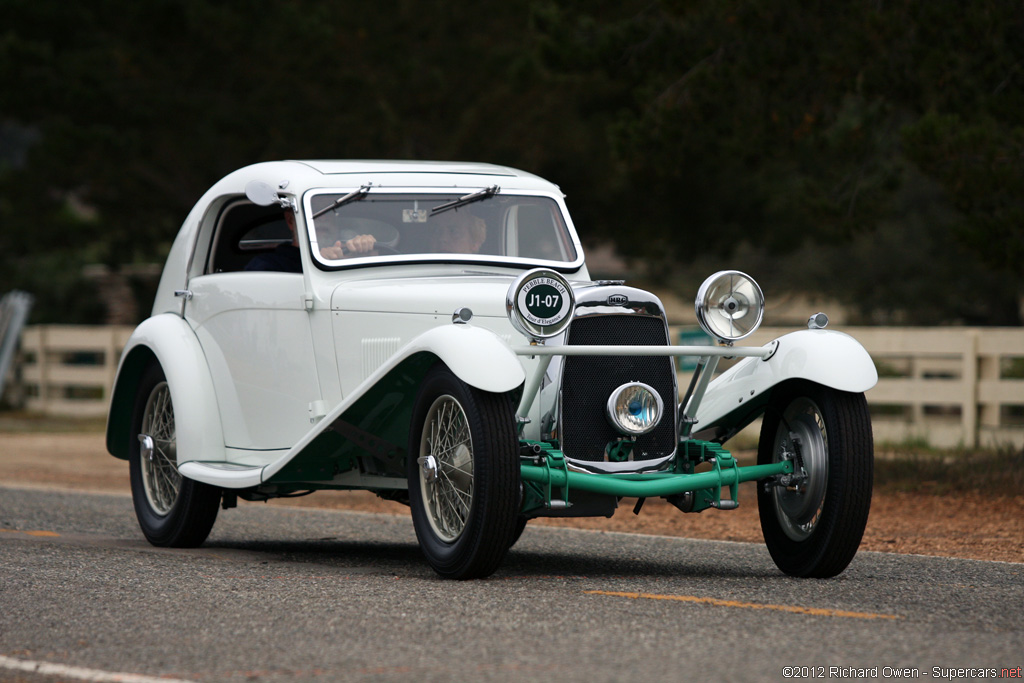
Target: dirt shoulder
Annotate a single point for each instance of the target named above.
(968, 525)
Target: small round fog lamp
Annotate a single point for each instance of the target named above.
(635, 409)
(730, 305)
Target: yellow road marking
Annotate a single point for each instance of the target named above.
(49, 534)
(815, 611)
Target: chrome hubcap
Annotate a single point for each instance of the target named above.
(802, 437)
(428, 468)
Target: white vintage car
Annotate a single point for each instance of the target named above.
(429, 332)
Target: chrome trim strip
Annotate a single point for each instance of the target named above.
(719, 351)
(631, 467)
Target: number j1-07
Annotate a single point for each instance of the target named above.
(548, 301)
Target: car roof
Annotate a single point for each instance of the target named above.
(295, 177)
(300, 175)
(330, 167)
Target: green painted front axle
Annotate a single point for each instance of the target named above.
(552, 480)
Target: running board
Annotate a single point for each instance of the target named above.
(223, 474)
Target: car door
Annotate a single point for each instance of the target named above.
(255, 332)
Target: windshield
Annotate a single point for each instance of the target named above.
(397, 226)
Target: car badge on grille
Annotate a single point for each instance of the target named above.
(618, 300)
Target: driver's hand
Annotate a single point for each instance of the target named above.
(336, 251)
(360, 245)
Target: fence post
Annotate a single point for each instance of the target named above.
(969, 374)
(991, 411)
(43, 359)
(916, 406)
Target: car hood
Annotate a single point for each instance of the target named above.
(483, 294)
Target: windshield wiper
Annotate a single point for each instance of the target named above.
(353, 196)
(485, 193)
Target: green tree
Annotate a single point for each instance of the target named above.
(808, 132)
(819, 145)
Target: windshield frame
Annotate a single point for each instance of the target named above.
(422, 258)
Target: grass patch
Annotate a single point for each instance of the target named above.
(918, 468)
(22, 422)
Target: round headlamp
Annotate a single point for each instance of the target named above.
(635, 409)
(730, 305)
(540, 303)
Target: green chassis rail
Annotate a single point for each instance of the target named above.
(548, 481)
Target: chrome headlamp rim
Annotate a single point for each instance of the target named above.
(717, 313)
(531, 321)
(611, 410)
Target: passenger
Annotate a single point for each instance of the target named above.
(456, 232)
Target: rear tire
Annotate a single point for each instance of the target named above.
(814, 529)
(463, 475)
(173, 511)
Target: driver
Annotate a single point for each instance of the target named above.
(286, 258)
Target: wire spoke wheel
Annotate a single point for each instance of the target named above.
(446, 468)
(160, 477)
(172, 510)
(463, 472)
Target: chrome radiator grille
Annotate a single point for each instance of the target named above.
(587, 381)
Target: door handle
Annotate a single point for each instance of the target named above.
(184, 293)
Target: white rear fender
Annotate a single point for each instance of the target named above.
(827, 357)
(168, 340)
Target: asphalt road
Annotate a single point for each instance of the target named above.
(282, 594)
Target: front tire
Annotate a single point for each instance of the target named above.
(173, 511)
(518, 531)
(463, 476)
(813, 528)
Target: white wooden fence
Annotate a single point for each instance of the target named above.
(68, 370)
(955, 385)
(944, 386)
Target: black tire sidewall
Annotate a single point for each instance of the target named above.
(192, 516)
(837, 534)
(491, 524)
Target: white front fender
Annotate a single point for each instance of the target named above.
(826, 357)
(477, 356)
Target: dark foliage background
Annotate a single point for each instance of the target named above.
(869, 150)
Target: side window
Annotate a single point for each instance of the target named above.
(245, 230)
